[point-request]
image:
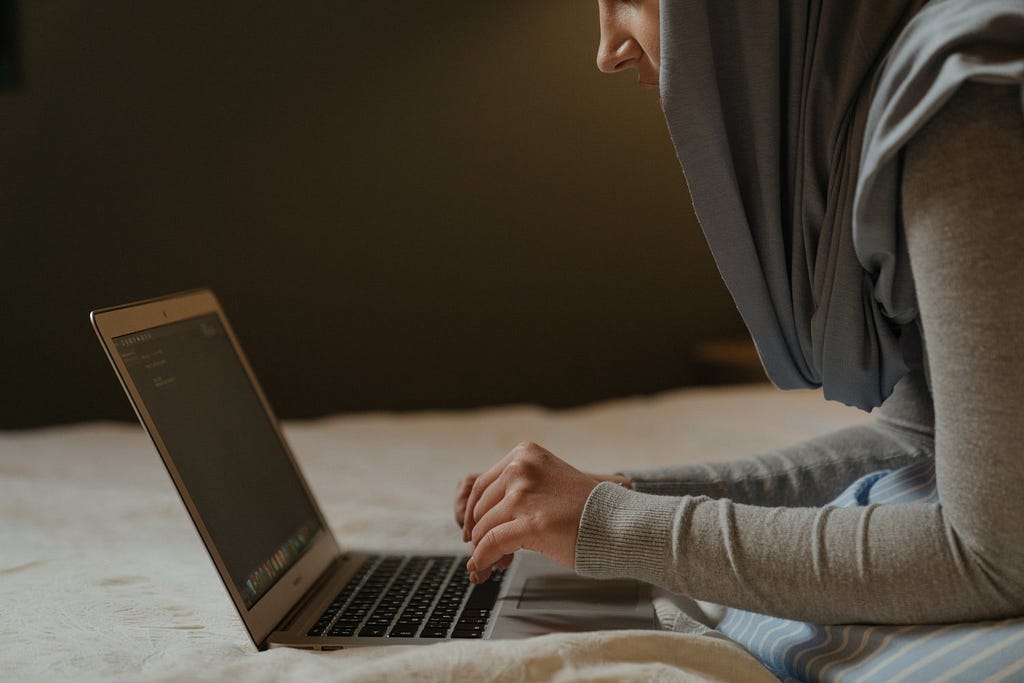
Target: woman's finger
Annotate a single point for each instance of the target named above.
(504, 511)
(479, 486)
(461, 496)
(493, 495)
(499, 541)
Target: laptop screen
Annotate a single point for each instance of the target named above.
(225, 448)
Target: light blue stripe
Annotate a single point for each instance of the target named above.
(984, 662)
(776, 626)
(957, 643)
(897, 480)
(747, 620)
(1011, 672)
(916, 493)
(968, 639)
(901, 652)
(892, 487)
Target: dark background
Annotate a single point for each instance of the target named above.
(401, 205)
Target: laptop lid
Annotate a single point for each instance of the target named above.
(196, 395)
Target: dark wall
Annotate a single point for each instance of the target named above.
(401, 205)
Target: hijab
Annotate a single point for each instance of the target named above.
(788, 117)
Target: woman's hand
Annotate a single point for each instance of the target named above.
(466, 485)
(530, 499)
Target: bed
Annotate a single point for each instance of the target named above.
(102, 576)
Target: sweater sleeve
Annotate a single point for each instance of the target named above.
(815, 471)
(957, 560)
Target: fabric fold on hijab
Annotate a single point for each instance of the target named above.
(768, 103)
(922, 71)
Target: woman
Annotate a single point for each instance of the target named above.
(857, 169)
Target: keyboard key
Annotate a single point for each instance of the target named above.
(344, 632)
(472, 620)
(413, 614)
(434, 633)
(417, 613)
(402, 632)
(347, 623)
(372, 632)
(439, 623)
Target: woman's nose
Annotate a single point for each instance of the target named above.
(616, 55)
(618, 48)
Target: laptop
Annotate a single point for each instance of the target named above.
(293, 583)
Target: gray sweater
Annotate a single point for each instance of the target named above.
(758, 534)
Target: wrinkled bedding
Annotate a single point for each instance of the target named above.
(103, 577)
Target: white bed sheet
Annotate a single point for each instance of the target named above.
(102, 576)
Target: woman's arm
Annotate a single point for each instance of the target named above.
(806, 474)
(960, 559)
(815, 471)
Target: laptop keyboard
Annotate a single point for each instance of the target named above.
(410, 597)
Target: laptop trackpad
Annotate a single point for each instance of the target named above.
(554, 592)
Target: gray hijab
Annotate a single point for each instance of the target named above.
(788, 117)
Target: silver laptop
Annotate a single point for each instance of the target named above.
(291, 581)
